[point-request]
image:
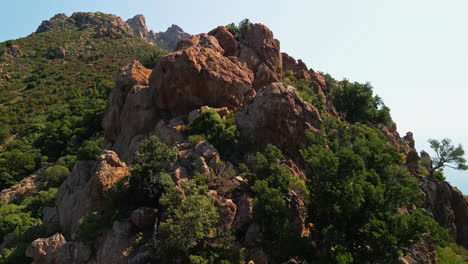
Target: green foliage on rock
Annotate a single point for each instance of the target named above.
(151, 59)
(90, 149)
(153, 159)
(14, 220)
(356, 182)
(358, 104)
(36, 203)
(222, 133)
(55, 175)
(190, 232)
(50, 106)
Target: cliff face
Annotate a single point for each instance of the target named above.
(448, 207)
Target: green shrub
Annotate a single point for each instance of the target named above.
(195, 139)
(222, 133)
(152, 59)
(54, 176)
(13, 220)
(90, 227)
(153, 158)
(452, 254)
(4, 134)
(358, 104)
(36, 203)
(355, 182)
(6, 180)
(190, 220)
(90, 149)
(67, 161)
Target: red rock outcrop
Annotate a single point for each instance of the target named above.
(130, 114)
(257, 47)
(200, 75)
(279, 116)
(83, 190)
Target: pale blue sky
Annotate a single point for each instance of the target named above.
(415, 53)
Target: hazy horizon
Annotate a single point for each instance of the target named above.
(413, 53)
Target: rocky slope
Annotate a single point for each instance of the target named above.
(113, 26)
(246, 90)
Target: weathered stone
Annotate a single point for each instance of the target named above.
(448, 207)
(83, 190)
(279, 116)
(200, 75)
(130, 114)
(170, 38)
(244, 216)
(226, 207)
(226, 40)
(55, 249)
(138, 25)
(17, 192)
(144, 217)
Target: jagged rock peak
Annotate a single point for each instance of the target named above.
(138, 26)
(170, 38)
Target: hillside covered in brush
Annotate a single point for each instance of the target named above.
(122, 145)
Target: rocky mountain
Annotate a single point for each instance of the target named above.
(167, 40)
(226, 151)
(113, 26)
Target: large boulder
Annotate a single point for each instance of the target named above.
(19, 191)
(449, 208)
(200, 75)
(83, 190)
(56, 249)
(278, 115)
(130, 114)
(256, 47)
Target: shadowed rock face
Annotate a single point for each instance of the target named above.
(448, 207)
(130, 113)
(168, 39)
(83, 190)
(279, 116)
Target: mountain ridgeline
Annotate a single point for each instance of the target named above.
(122, 145)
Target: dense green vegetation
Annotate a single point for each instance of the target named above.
(51, 105)
(51, 109)
(355, 181)
(222, 133)
(358, 104)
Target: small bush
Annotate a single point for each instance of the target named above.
(90, 149)
(195, 139)
(222, 133)
(358, 104)
(152, 59)
(54, 176)
(36, 203)
(90, 227)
